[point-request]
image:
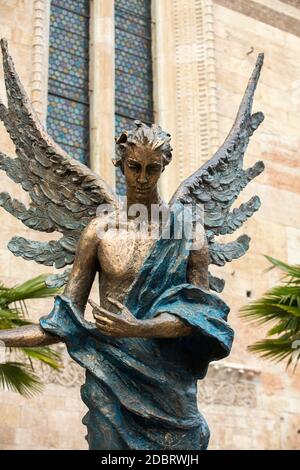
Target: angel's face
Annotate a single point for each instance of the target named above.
(142, 169)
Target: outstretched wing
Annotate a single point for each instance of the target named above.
(217, 184)
(64, 193)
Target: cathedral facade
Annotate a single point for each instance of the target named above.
(90, 68)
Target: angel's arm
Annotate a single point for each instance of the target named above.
(84, 268)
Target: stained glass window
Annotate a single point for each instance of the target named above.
(68, 86)
(133, 68)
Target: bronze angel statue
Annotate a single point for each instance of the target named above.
(158, 325)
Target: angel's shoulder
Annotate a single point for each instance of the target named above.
(97, 225)
(89, 235)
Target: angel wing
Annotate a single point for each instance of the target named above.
(64, 193)
(217, 184)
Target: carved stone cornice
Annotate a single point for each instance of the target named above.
(229, 384)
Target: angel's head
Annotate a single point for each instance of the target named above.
(142, 154)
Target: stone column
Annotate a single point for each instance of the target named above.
(102, 89)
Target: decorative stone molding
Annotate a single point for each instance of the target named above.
(195, 83)
(185, 83)
(229, 385)
(211, 85)
(40, 48)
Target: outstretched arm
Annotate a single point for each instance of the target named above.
(77, 289)
(27, 336)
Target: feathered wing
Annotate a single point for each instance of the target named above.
(64, 193)
(217, 184)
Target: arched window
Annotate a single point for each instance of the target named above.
(68, 82)
(133, 67)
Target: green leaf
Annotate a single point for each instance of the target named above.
(10, 318)
(276, 349)
(291, 270)
(292, 310)
(33, 289)
(45, 355)
(19, 378)
(279, 306)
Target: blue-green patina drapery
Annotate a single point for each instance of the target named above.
(141, 393)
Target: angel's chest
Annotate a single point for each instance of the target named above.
(123, 255)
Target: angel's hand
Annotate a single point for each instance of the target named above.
(121, 324)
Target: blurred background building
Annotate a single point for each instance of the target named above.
(91, 68)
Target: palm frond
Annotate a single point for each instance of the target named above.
(291, 270)
(8, 314)
(294, 311)
(279, 306)
(45, 355)
(278, 349)
(19, 378)
(33, 289)
(11, 318)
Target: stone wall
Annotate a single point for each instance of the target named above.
(242, 30)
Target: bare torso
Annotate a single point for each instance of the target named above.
(120, 256)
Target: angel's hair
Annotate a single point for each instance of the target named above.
(153, 137)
